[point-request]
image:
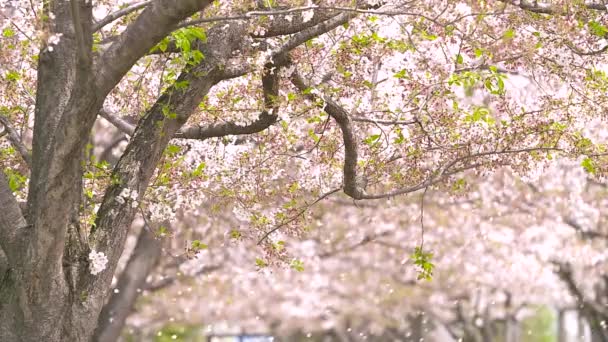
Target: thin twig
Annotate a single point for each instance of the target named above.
(295, 217)
(422, 218)
(120, 13)
(384, 122)
(255, 14)
(15, 140)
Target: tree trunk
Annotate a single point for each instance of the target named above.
(562, 334)
(47, 292)
(113, 317)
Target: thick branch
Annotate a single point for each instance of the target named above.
(120, 13)
(353, 183)
(228, 128)
(270, 84)
(135, 168)
(549, 8)
(11, 221)
(338, 113)
(278, 59)
(585, 234)
(315, 31)
(303, 32)
(15, 140)
(152, 25)
(119, 123)
(84, 55)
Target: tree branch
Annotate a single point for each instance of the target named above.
(119, 123)
(354, 184)
(120, 13)
(84, 54)
(341, 116)
(203, 132)
(158, 19)
(12, 221)
(366, 239)
(548, 8)
(320, 13)
(278, 59)
(585, 234)
(168, 281)
(15, 140)
(384, 122)
(317, 30)
(303, 32)
(296, 216)
(225, 129)
(136, 167)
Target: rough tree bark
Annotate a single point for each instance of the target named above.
(46, 291)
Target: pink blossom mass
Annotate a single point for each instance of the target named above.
(304, 170)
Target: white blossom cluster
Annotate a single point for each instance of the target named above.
(54, 40)
(308, 14)
(128, 195)
(98, 262)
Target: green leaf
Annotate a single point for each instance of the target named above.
(279, 246)
(16, 181)
(197, 245)
(199, 170)
(597, 29)
(196, 56)
(198, 33)
(293, 187)
(372, 139)
(8, 32)
(459, 185)
(509, 34)
(297, 265)
(162, 45)
(162, 231)
(400, 137)
(423, 262)
(88, 193)
(427, 36)
(312, 134)
(12, 76)
(401, 74)
(235, 234)
(173, 150)
(589, 165)
(180, 85)
(459, 59)
(260, 263)
(168, 113)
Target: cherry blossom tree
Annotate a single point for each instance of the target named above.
(500, 248)
(371, 99)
